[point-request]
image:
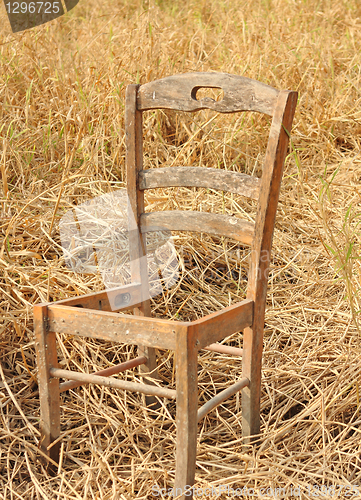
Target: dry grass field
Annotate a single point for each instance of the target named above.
(62, 142)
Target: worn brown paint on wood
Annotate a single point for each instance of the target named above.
(124, 328)
(106, 300)
(221, 324)
(154, 332)
(45, 344)
(187, 403)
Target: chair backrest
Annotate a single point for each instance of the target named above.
(179, 93)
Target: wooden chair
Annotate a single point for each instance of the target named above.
(93, 315)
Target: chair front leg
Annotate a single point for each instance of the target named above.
(49, 395)
(251, 395)
(187, 403)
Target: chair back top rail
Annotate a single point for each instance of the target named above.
(200, 222)
(179, 92)
(211, 178)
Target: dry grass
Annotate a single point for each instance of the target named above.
(62, 131)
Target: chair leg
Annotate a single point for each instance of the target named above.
(149, 353)
(187, 402)
(49, 395)
(251, 395)
(151, 366)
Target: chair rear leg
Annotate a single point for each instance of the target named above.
(49, 395)
(187, 402)
(149, 353)
(251, 395)
(149, 367)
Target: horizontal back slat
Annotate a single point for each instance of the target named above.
(179, 93)
(200, 222)
(213, 178)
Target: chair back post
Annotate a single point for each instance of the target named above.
(269, 195)
(137, 241)
(260, 258)
(134, 164)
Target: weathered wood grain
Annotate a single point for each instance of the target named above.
(137, 243)
(224, 349)
(212, 178)
(123, 328)
(115, 299)
(222, 396)
(86, 378)
(220, 324)
(107, 372)
(260, 259)
(187, 403)
(178, 92)
(200, 222)
(45, 344)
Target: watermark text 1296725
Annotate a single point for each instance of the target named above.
(27, 14)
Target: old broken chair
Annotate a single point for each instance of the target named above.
(94, 315)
